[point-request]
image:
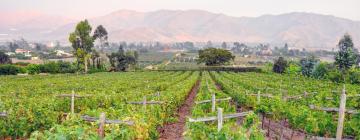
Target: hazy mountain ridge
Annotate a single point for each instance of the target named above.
(303, 30)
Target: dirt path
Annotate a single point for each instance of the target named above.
(274, 130)
(174, 131)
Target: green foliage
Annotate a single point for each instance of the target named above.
(22, 64)
(321, 71)
(121, 60)
(214, 56)
(95, 70)
(296, 111)
(293, 68)
(4, 58)
(101, 34)
(267, 68)
(82, 42)
(308, 65)
(347, 55)
(22, 56)
(34, 110)
(354, 76)
(33, 69)
(336, 76)
(208, 130)
(280, 65)
(50, 67)
(8, 69)
(66, 67)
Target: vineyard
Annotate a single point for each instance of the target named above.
(298, 102)
(31, 104)
(142, 105)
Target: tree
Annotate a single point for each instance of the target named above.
(280, 65)
(209, 44)
(40, 47)
(95, 58)
(214, 56)
(4, 58)
(101, 34)
(224, 45)
(285, 49)
(308, 65)
(347, 55)
(13, 46)
(82, 42)
(120, 60)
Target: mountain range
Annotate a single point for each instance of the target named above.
(301, 30)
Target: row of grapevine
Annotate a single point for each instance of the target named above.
(232, 128)
(34, 110)
(298, 112)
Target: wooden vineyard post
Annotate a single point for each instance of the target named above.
(258, 97)
(213, 102)
(269, 124)
(72, 102)
(340, 125)
(72, 97)
(3, 114)
(101, 131)
(262, 116)
(220, 119)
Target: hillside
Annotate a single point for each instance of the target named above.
(303, 30)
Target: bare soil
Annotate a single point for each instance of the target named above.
(174, 131)
(280, 130)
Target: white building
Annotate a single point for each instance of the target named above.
(62, 53)
(22, 51)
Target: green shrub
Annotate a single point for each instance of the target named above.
(336, 76)
(95, 70)
(66, 67)
(22, 63)
(354, 76)
(33, 69)
(293, 69)
(50, 67)
(321, 71)
(267, 68)
(280, 65)
(9, 69)
(22, 69)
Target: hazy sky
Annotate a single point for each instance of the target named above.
(90, 8)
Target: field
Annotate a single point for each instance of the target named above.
(278, 102)
(146, 105)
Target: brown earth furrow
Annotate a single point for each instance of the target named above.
(174, 131)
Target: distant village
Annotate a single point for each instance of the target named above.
(36, 53)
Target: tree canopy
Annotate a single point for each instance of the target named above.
(280, 65)
(121, 60)
(82, 42)
(101, 34)
(347, 55)
(308, 65)
(4, 59)
(214, 56)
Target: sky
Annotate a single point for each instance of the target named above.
(349, 9)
